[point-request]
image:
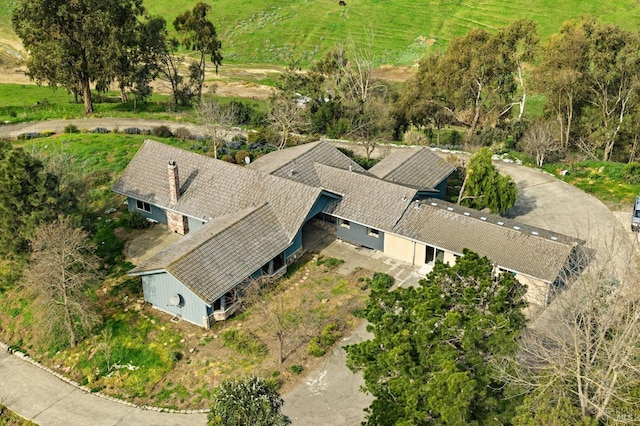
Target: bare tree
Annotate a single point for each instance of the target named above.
(216, 119)
(287, 117)
(62, 265)
(584, 346)
(540, 141)
(280, 319)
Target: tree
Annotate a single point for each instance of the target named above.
(286, 117)
(559, 75)
(30, 195)
(250, 401)
(62, 265)
(198, 33)
(484, 187)
(430, 358)
(139, 65)
(540, 140)
(613, 80)
(170, 71)
(279, 318)
(216, 119)
(581, 352)
(72, 44)
(475, 80)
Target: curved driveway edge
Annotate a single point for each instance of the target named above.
(46, 400)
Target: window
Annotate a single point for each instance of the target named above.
(141, 205)
(373, 233)
(345, 223)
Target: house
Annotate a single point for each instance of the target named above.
(243, 223)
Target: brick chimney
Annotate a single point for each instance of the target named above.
(174, 182)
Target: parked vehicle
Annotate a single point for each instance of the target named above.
(635, 219)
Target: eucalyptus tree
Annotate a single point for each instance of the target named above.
(197, 33)
(72, 44)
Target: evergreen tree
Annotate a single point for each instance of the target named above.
(251, 401)
(485, 187)
(28, 197)
(430, 358)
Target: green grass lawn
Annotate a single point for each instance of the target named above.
(29, 102)
(260, 31)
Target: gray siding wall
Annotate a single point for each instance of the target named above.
(295, 245)
(158, 290)
(442, 188)
(359, 234)
(156, 213)
(194, 224)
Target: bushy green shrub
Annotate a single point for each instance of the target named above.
(296, 369)
(241, 155)
(243, 342)
(71, 128)
(137, 220)
(315, 348)
(162, 132)
(631, 172)
(228, 158)
(330, 334)
(182, 133)
(99, 130)
(132, 131)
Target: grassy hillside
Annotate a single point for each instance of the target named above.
(256, 31)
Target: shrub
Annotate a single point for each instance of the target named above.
(330, 334)
(137, 220)
(234, 145)
(182, 133)
(162, 132)
(631, 172)
(228, 158)
(100, 130)
(296, 368)
(244, 343)
(132, 131)
(238, 137)
(315, 348)
(241, 155)
(71, 128)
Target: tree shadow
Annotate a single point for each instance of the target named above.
(524, 204)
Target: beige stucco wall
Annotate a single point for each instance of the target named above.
(449, 258)
(399, 248)
(536, 290)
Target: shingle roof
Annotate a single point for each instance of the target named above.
(296, 163)
(528, 250)
(223, 253)
(419, 168)
(365, 199)
(213, 188)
